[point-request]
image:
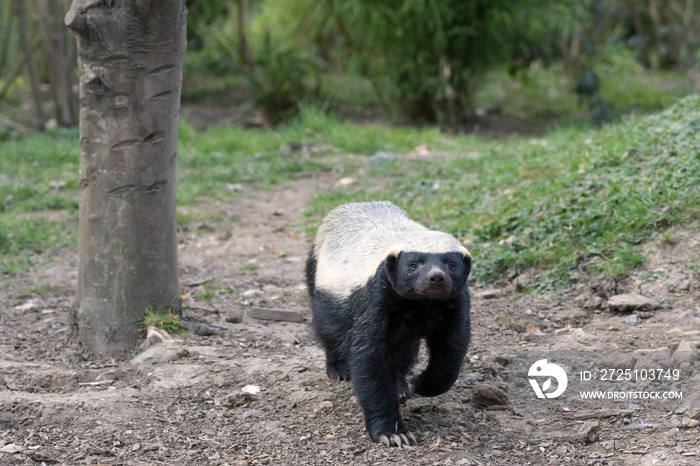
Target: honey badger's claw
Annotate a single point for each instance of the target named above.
(385, 439)
(402, 390)
(402, 440)
(412, 437)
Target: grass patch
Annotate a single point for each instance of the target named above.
(210, 290)
(214, 160)
(45, 290)
(38, 173)
(163, 320)
(575, 201)
(24, 243)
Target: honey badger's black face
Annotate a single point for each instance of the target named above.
(417, 275)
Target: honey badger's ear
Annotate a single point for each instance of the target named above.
(467, 264)
(467, 261)
(391, 265)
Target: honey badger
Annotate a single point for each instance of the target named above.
(379, 283)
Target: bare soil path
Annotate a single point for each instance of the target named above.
(184, 405)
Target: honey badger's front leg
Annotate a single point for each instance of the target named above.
(374, 380)
(447, 346)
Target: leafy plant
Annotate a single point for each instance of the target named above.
(425, 57)
(254, 41)
(285, 75)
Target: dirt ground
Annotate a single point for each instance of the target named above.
(182, 402)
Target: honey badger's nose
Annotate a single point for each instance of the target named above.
(436, 276)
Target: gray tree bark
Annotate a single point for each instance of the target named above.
(130, 55)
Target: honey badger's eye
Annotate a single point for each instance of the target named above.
(451, 266)
(413, 265)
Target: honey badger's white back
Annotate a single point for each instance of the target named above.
(355, 238)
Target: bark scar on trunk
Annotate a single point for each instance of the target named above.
(124, 144)
(125, 190)
(154, 138)
(162, 95)
(157, 186)
(161, 70)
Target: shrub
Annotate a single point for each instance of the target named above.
(425, 57)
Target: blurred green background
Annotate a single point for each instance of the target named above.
(455, 63)
(559, 135)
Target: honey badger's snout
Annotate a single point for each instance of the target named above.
(435, 282)
(436, 277)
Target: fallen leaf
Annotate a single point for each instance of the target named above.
(434, 445)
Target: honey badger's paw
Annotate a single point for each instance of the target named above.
(403, 391)
(338, 370)
(394, 439)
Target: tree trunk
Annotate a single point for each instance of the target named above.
(27, 52)
(246, 57)
(73, 59)
(130, 55)
(638, 26)
(50, 51)
(685, 32)
(7, 40)
(62, 71)
(14, 74)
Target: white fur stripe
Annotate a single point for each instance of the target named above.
(355, 238)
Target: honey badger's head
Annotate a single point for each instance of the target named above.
(420, 275)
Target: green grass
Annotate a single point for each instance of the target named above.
(162, 320)
(221, 156)
(38, 173)
(23, 242)
(575, 201)
(210, 290)
(45, 290)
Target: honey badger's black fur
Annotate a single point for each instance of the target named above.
(371, 332)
